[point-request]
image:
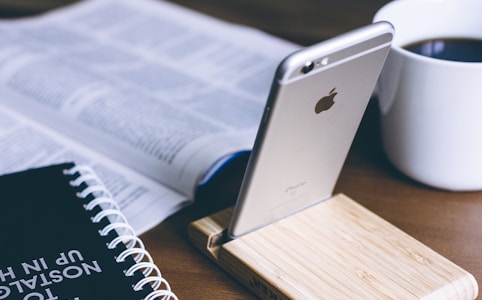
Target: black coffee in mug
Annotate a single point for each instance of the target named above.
(455, 49)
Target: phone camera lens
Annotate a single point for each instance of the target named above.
(307, 67)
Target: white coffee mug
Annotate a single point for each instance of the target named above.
(431, 109)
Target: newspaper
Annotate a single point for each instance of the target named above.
(150, 94)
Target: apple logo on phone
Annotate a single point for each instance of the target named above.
(326, 102)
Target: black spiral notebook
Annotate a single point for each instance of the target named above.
(63, 237)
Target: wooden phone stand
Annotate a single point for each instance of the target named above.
(336, 249)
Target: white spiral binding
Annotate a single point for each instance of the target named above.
(126, 234)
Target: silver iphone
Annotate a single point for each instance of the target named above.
(317, 100)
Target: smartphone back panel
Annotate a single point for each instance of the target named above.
(316, 103)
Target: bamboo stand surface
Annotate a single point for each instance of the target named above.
(336, 249)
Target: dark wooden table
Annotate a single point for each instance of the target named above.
(450, 223)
